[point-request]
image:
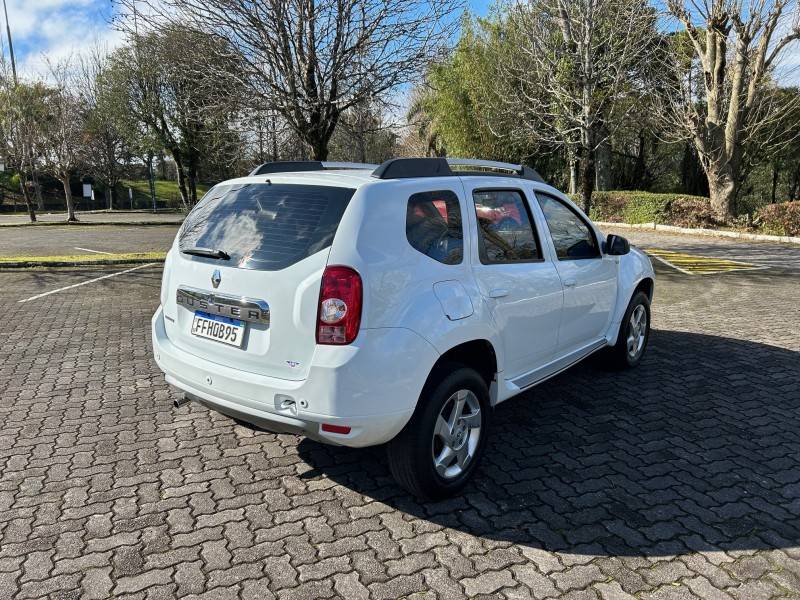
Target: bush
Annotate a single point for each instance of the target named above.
(690, 211)
(646, 207)
(781, 219)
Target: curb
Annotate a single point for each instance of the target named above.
(26, 264)
(94, 223)
(758, 237)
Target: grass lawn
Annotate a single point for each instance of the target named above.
(165, 190)
(84, 258)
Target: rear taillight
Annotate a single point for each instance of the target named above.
(339, 310)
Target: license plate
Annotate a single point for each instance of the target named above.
(218, 328)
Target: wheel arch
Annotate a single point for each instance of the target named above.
(477, 354)
(646, 285)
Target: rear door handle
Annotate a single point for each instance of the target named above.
(570, 282)
(498, 293)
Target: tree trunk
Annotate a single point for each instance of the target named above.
(260, 142)
(71, 218)
(587, 179)
(151, 179)
(722, 190)
(776, 171)
(793, 188)
(573, 175)
(274, 135)
(38, 190)
(603, 165)
(193, 160)
(640, 166)
(193, 186)
(162, 165)
(35, 181)
(182, 188)
(319, 149)
(318, 136)
(28, 201)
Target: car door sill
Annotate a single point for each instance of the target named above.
(557, 366)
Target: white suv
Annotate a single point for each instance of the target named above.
(360, 305)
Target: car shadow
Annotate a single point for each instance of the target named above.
(697, 449)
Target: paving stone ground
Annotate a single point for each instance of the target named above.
(680, 479)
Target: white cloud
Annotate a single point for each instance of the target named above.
(57, 29)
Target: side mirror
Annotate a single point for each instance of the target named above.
(616, 245)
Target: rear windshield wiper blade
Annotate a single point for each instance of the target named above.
(207, 253)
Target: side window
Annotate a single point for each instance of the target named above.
(505, 230)
(433, 226)
(572, 236)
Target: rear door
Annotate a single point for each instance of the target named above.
(589, 278)
(519, 285)
(276, 238)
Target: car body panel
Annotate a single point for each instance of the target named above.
(523, 299)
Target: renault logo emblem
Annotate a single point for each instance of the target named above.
(216, 278)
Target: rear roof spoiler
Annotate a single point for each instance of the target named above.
(405, 168)
(298, 166)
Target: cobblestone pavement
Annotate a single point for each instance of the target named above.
(680, 479)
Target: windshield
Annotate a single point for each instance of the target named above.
(265, 226)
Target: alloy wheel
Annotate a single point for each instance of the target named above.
(637, 331)
(456, 434)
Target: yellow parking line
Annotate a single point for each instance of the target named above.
(691, 264)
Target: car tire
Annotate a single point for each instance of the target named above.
(634, 333)
(418, 458)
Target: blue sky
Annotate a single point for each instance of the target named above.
(59, 28)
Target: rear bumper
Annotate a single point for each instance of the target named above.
(371, 386)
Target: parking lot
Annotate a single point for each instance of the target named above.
(680, 479)
(64, 240)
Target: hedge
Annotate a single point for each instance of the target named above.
(645, 207)
(781, 219)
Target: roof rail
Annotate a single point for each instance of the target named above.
(494, 166)
(297, 166)
(404, 168)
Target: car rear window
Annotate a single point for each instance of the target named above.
(265, 226)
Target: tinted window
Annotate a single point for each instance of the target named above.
(263, 226)
(505, 232)
(572, 237)
(433, 226)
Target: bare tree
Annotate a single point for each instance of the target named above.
(568, 71)
(21, 111)
(311, 60)
(61, 143)
(106, 148)
(366, 134)
(180, 86)
(735, 45)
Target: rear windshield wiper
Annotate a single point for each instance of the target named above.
(207, 253)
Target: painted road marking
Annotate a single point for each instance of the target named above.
(95, 251)
(74, 285)
(691, 264)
